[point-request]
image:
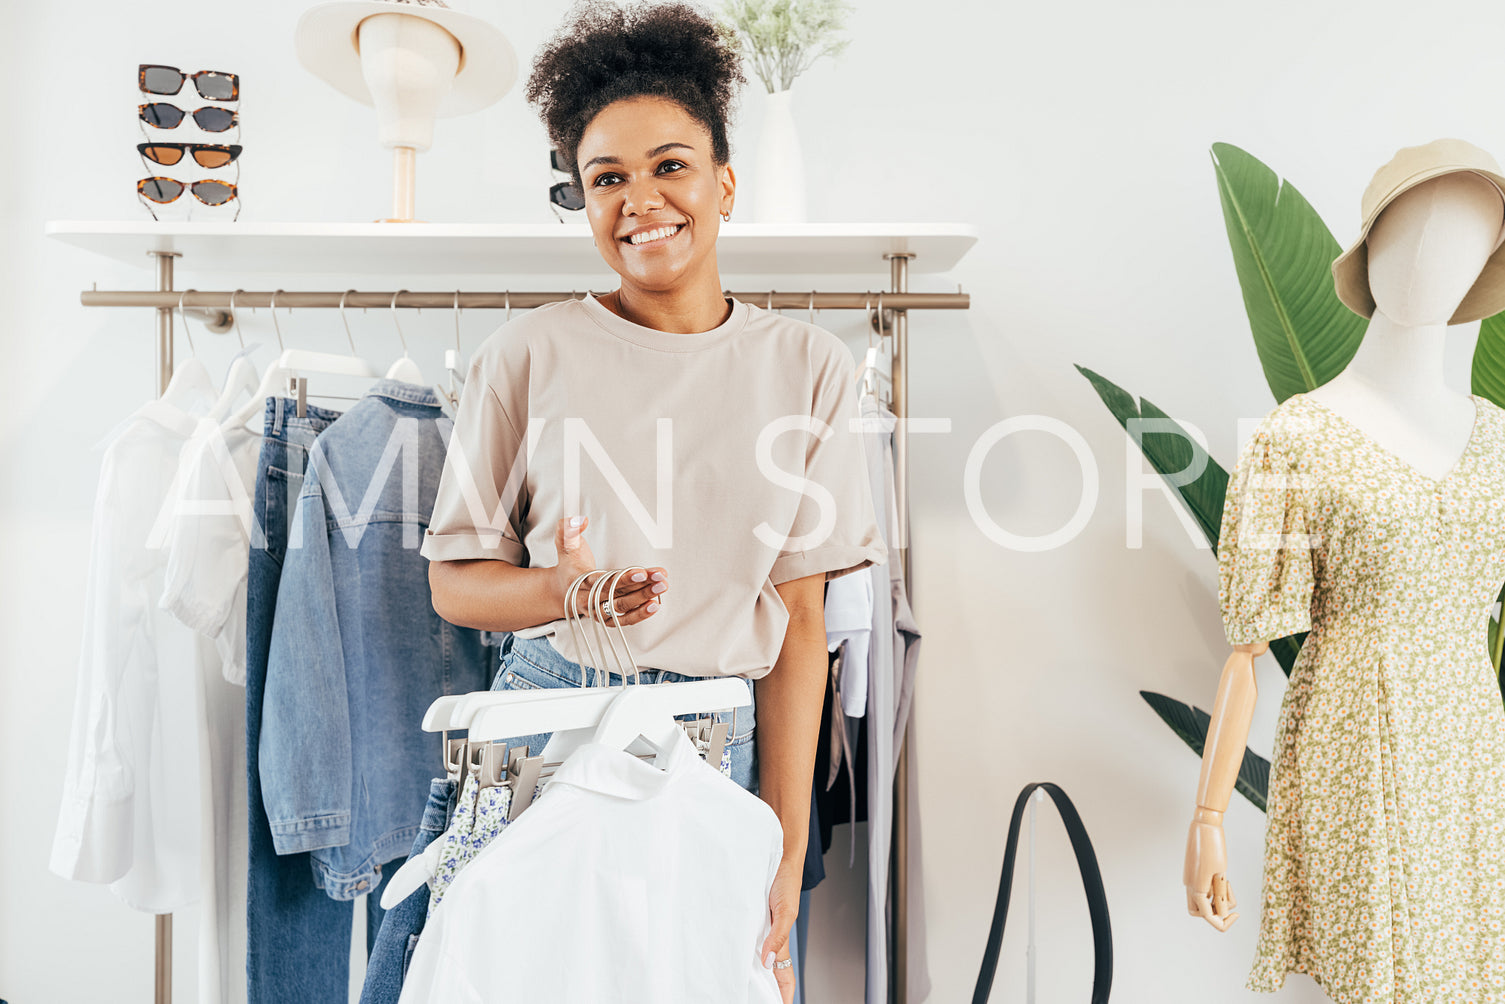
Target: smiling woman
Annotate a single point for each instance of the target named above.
(638, 103)
(656, 213)
(723, 458)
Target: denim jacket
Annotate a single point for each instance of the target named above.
(357, 651)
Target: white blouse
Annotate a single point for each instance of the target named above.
(622, 883)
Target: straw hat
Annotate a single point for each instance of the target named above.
(326, 40)
(1407, 169)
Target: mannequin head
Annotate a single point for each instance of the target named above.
(1428, 246)
(409, 64)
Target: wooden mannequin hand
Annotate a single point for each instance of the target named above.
(1208, 894)
(639, 594)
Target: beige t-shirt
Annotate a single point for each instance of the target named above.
(657, 436)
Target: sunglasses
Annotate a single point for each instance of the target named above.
(564, 194)
(164, 190)
(204, 154)
(212, 85)
(166, 116)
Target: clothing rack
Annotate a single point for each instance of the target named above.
(892, 308)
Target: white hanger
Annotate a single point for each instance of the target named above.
(295, 361)
(333, 363)
(242, 375)
(403, 369)
(869, 377)
(578, 715)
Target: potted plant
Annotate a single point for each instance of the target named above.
(1282, 252)
(782, 39)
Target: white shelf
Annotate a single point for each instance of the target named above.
(504, 248)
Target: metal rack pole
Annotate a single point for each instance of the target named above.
(197, 302)
(164, 376)
(898, 264)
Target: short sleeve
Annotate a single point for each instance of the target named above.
(481, 499)
(208, 547)
(834, 529)
(1265, 581)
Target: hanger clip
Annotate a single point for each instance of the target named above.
(456, 755)
(297, 387)
(716, 744)
(493, 767)
(524, 783)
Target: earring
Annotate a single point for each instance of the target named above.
(726, 216)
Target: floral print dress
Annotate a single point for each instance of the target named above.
(1385, 848)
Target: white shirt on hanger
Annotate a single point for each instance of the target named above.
(130, 811)
(207, 536)
(623, 883)
(849, 618)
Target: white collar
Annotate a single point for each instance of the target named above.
(188, 396)
(613, 771)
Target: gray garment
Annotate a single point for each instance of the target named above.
(892, 658)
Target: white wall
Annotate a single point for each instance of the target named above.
(1075, 136)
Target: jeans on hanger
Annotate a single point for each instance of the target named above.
(402, 925)
(534, 663)
(297, 938)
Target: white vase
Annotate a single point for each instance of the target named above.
(779, 187)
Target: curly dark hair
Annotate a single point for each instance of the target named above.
(605, 53)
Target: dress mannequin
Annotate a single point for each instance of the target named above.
(1425, 251)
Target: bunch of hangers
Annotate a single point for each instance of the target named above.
(283, 376)
(485, 755)
(630, 713)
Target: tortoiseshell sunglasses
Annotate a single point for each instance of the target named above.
(166, 116)
(165, 190)
(213, 85)
(204, 154)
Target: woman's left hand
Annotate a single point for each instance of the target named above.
(783, 909)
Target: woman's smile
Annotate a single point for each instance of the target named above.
(654, 237)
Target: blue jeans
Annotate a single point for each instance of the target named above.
(388, 965)
(297, 938)
(533, 663)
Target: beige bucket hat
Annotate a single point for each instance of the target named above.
(1408, 168)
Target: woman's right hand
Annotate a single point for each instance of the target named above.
(639, 594)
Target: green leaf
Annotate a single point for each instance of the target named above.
(1286, 649)
(1283, 254)
(1171, 451)
(1488, 377)
(1177, 451)
(1494, 642)
(1191, 725)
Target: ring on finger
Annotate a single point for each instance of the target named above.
(784, 963)
(608, 609)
